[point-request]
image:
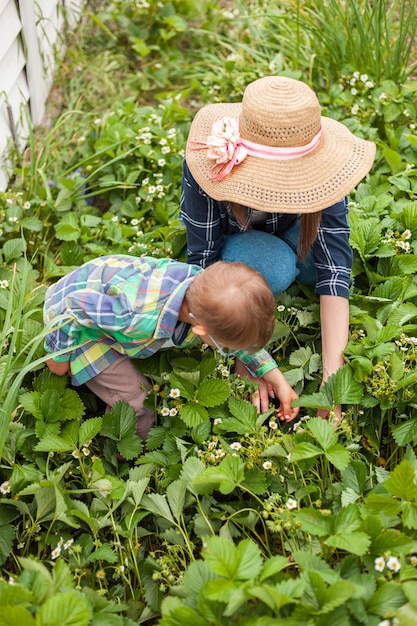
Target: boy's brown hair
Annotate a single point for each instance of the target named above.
(235, 304)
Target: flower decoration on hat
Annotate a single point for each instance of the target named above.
(227, 148)
(224, 146)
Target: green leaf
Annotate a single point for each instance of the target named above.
(187, 389)
(410, 515)
(346, 389)
(130, 447)
(323, 432)
(13, 249)
(102, 553)
(13, 615)
(300, 357)
(191, 468)
(354, 542)
(365, 235)
(193, 414)
(52, 443)
(402, 482)
(384, 504)
(386, 599)
(245, 415)
(176, 497)
(72, 406)
(120, 422)
(89, 429)
(50, 405)
(156, 503)
(183, 616)
(338, 456)
(249, 560)
(313, 521)
(241, 562)
(226, 476)
(66, 609)
(304, 450)
(6, 542)
(196, 574)
(272, 566)
(212, 392)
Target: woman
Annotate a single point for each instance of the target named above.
(265, 183)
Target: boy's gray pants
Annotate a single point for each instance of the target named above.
(121, 381)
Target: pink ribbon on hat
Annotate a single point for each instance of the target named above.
(228, 149)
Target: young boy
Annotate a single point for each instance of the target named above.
(119, 307)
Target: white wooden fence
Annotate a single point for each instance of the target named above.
(32, 32)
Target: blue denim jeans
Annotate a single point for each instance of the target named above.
(274, 257)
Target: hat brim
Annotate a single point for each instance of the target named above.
(304, 185)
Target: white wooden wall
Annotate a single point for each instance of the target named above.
(32, 33)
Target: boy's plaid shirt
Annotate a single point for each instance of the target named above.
(123, 305)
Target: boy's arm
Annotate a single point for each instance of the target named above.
(58, 368)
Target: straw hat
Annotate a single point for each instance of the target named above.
(274, 151)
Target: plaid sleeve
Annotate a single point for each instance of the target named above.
(203, 222)
(332, 252)
(258, 363)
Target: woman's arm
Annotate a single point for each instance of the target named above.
(334, 317)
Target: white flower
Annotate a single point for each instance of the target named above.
(281, 308)
(385, 622)
(235, 445)
(97, 121)
(267, 465)
(394, 564)
(217, 421)
(165, 411)
(174, 393)
(173, 412)
(5, 487)
(355, 109)
(413, 560)
(161, 162)
(26, 205)
(354, 91)
(76, 454)
(291, 504)
(68, 544)
(165, 150)
(55, 553)
(115, 218)
(379, 564)
(273, 425)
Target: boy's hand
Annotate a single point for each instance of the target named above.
(57, 367)
(285, 394)
(272, 384)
